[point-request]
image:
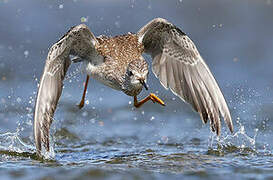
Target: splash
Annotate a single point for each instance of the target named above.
(244, 100)
(240, 138)
(12, 145)
(20, 143)
(239, 141)
(49, 155)
(12, 142)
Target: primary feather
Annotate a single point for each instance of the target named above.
(180, 68)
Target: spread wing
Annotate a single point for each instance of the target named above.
(179, 67)
(78, 41)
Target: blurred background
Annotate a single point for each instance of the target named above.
(109, 138)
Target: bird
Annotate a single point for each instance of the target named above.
(118, 62)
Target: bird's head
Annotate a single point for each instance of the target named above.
(136, 75)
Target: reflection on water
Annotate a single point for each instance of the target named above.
(109, 139)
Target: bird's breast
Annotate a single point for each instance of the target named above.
(102, 74)
(132, 90)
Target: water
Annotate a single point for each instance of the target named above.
(108, 138)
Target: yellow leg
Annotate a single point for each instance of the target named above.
(151, 97)
(84, 92)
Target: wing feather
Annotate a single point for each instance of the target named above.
(78, 41)
(180, 68)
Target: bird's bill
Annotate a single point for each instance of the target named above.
(144, 84)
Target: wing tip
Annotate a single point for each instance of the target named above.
(37, 138)
(230, 124)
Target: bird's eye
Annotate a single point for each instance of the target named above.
(130, 73)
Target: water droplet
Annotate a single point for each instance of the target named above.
(85, 113)
(92, 120)
(61, 6)
(165, 139)
(3, 101)
(242, 129)
(84, 19)
(26, 53)
(18, 99)
(235, 59)
(117, 24)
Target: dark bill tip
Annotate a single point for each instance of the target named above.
(144, 84)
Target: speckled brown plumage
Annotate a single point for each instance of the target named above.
(119, 53)
(123, 48)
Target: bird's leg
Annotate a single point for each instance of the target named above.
(84, 92)
(151, 97)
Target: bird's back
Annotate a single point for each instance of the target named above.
(123, 48)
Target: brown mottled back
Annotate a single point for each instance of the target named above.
(123, 48)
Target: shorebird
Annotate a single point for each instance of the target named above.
(117, 62)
